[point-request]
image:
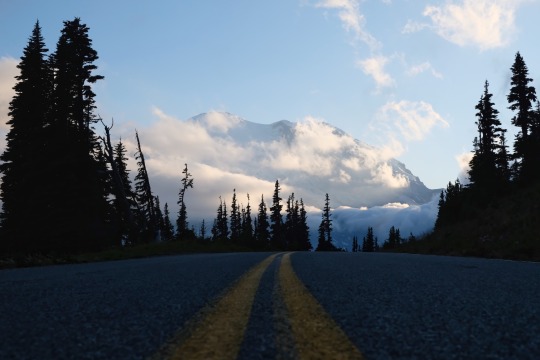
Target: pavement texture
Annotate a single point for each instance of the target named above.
(390, 306)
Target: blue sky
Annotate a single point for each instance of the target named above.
(403, 75)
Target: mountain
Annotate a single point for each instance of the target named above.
(314, 158)
(310, 158)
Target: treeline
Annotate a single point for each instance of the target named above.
(370, 243)
(66, 189)
(275, 232)
(495, 213)
(494, 171)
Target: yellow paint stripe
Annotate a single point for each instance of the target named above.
(316, 334)
(221, 331)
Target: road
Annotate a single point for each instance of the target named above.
(266, 306)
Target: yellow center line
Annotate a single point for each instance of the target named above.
(221, 331)
(316, 334)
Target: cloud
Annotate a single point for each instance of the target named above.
(423, 67)
(463, 161)
(8, 71)
(352, 19)
(309, 157)
(486, 24)
(374, 67)
(349, 222)
(413, 120)
(413, 26)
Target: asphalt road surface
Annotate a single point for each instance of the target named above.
(273, 306)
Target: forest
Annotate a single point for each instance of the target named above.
(66, 188)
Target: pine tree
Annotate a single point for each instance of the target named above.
(145, 198)
(277, 236)
(487, 167)
(220, 229)
(160, 223)
(20, 163)
(355, 244)
(303, 231)
(168, 230)
(182, 231)
(202, 230)
(325, 228)
(521, 98)
(262, 234)
(124, 200)
(235, 220)
(247, 235)
(368, 243)
(77, 206)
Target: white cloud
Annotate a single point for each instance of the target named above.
(8, 71)
(413, 26)
(383, 174)
(423, 67)
(349, 222)
(374, 67)
(353, 20)
(463, 161)
(483, 23)
(413, 120)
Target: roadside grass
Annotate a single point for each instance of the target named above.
(122, 253)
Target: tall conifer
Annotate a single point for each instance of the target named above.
(21, 161)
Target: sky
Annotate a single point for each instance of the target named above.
(397, 74)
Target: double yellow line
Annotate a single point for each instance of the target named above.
(219, 333)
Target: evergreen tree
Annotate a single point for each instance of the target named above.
(303, 231)
(291, 225)
(124, 200)
(247, 235)
(77, 206)
(202, 231)
(182, 231)
(160, 223)
(368, 243)
(277, 236)
(167, 233)
(487, 167)
(262, 233)
(220, 229)
(145, 198)
(325, 229)
(235, 219)
(21, 162)
(521, 98)
(355, 244)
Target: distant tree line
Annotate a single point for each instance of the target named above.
(494, 171)
(275, 231)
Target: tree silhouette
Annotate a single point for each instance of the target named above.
(325, 229)
(75, 193)
(21, 162)
(521, 99)
(145, 198)
(369, 241)
(182, 231)
(489, 164)
(277, 236)
(262, 233)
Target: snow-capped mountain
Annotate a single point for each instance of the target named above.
(315, 158)
(310, 158)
